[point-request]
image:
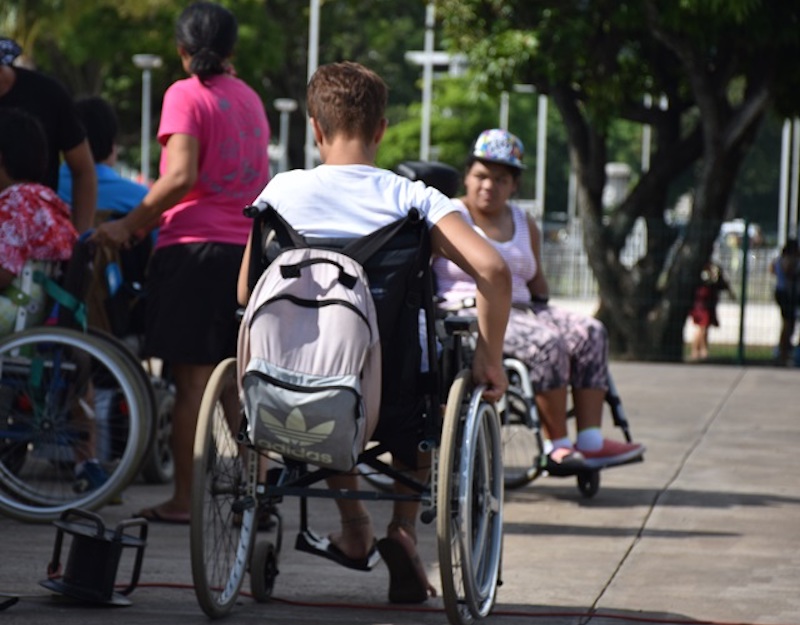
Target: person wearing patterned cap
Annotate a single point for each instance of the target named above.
(560, 348)
(48, 100)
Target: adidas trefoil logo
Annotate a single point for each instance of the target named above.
(295, 431)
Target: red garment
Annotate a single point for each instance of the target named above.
(34, 224)
(704, 309)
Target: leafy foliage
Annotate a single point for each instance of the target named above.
(720, 66)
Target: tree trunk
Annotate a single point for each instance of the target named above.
(645, 306)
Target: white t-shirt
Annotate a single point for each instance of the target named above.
(349, 200)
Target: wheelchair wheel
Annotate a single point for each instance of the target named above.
(66, 396)
(588, 483)
(158, 466)
(223, 500)
(263, 571)
(469, 523)
(157, 447)
(522, 442)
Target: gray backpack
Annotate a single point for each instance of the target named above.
(309, 352)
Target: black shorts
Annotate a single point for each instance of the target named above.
(787, 306)
(191, 303)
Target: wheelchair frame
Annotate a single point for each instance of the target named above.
(524, 446)
(524, 452)
(46, 375)
(464, 495)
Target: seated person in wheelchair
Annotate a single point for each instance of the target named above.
(116, 196)
(35, 226)
(35, 234)
(560, 348)
(348, 196)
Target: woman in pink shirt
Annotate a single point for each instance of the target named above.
(215, 135)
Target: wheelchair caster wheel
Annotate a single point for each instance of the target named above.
(263, 571)
(589, 483)
(159, 466)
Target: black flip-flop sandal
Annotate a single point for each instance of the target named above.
(309, 542)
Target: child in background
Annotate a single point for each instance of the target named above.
(35, 233)
(704, 309)
(35, 226)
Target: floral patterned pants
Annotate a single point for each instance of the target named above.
(559, 347)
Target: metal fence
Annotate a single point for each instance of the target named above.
(752, 320)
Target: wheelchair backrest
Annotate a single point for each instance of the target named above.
(400, 282)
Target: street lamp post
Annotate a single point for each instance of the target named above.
(147, 63)
(313, 61)
(284, 106)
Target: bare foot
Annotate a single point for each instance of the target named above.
(166, 512)
(357, 538)
(404, 533)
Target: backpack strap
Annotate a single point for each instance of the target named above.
(364, 247)
(284, 233)
(265, 220)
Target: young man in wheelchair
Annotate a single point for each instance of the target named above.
(345, 197)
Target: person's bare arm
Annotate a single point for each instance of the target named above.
(538, 285)
(177, 180)
(242, 290)
(454, 239)
(84, 185)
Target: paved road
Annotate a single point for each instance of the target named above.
(707, 530)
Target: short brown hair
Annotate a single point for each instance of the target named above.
(347, 98)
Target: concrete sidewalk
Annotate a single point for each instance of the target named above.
(706, 529)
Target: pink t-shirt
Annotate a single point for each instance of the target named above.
(227, 117)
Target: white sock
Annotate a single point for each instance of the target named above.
(590, 439)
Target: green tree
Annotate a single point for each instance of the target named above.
(88, 45)
(721, 65)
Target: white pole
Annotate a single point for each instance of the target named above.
(146, 87)
(504, 106)
(647, 133)
(795, 177)
(285, 106)
(146, 62)
(313, 61)
(541, 152)
(783, 199)
(572, 196)
(427, 85)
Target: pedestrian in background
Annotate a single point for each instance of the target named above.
(704, 307)
(214, 135)
(123, 313)
(786, 269)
